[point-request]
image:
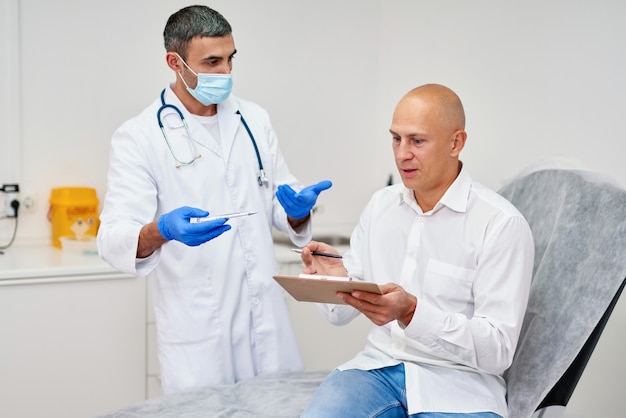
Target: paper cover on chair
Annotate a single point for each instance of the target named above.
(579, 228)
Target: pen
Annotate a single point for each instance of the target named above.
(321, 254)
(226, 215)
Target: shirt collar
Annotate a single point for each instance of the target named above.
(455, 197)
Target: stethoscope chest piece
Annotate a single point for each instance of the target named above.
(262, 179)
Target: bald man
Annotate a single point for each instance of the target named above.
(454, 262)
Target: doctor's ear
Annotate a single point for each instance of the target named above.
(173, 61)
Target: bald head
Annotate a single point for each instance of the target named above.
(442, 101)
(428, 134)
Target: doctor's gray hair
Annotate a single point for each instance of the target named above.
(192, 21)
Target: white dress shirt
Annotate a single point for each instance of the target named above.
(469, 262)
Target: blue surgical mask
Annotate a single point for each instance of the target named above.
(211, 88)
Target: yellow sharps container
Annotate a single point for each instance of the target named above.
(73, 214)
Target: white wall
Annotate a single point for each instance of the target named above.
(538, 78)
(88, 66)
(9, 94)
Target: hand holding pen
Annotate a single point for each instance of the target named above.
(321, 258)
(318, 253)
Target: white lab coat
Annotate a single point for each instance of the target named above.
(220, 316)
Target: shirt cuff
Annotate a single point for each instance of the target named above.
(304, 234)
(426, 324)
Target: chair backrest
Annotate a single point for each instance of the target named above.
(579, 227)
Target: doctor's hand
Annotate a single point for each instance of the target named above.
(175, 225)
(298, 205)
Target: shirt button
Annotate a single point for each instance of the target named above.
(420, 219)
(255, 301)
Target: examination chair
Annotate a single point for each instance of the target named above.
(579, 227)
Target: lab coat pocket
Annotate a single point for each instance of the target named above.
(188, 312)
(449, 287)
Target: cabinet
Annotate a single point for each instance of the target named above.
(73, 335)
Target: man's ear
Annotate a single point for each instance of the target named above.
(173, 61)
(458, 142)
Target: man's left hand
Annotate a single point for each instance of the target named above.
(394, 304)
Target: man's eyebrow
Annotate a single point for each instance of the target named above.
(218, 57)
(411, 135)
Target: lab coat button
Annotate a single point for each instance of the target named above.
(255, 301)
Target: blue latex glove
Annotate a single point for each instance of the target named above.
(298, 205)
(175, 225)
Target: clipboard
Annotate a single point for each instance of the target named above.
(322, 290)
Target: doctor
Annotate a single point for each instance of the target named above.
(220, 316)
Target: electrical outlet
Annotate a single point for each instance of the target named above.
(11, 194)
(8, 203)
(27, 205)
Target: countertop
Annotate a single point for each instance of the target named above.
(44, 263)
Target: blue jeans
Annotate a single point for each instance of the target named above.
(378, 393)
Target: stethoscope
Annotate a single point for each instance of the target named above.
(261, 179)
